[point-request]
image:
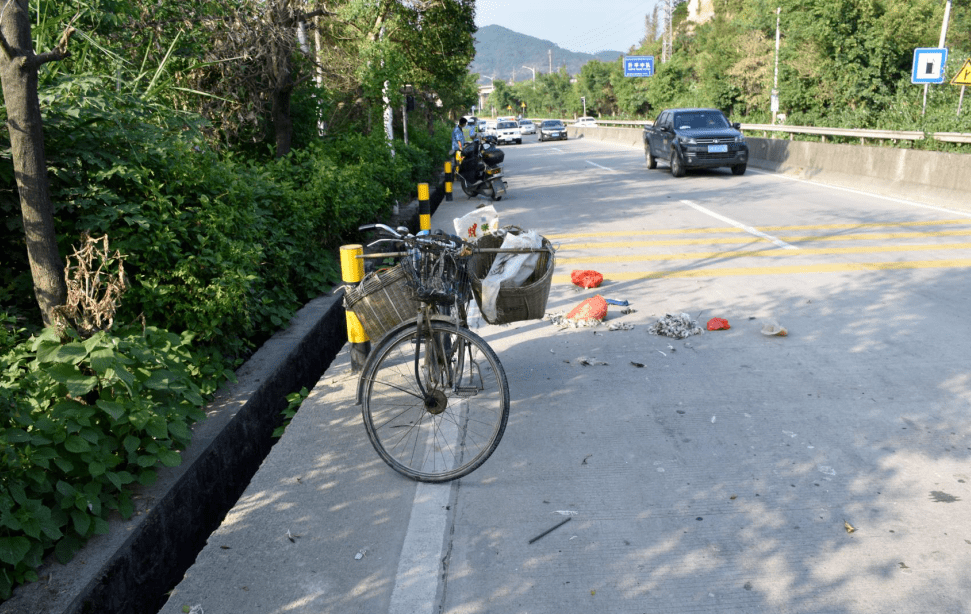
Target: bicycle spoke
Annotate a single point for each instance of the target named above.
(450, 433)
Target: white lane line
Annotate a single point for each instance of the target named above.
(747, 229)
(598, 166)
(420, 565)
(556, 149)
(862, 193)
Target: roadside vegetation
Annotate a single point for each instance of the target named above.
(842, 64)
(204, 160)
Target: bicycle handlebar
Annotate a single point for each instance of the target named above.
(439, 239)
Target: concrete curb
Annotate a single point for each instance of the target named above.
(129, 570)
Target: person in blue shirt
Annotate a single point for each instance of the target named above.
(458, 137)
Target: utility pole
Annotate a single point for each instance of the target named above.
(666, 43)
(940, 45)
(551, 61)
(532, 69)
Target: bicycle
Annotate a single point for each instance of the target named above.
(433, 394)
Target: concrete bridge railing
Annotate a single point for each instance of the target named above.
(928, 176)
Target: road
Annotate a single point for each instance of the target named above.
(823, 471)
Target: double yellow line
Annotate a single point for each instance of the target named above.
(565, 247)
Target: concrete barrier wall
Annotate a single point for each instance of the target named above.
(928, 176)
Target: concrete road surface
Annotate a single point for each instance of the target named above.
(823, 471)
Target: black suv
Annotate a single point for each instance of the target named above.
(695, 138)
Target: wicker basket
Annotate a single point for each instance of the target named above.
(527, 302)
(381, 301)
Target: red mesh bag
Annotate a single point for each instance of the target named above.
(586, 279)
(718, 324)
(594, 308)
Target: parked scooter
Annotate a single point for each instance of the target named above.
(480, 173)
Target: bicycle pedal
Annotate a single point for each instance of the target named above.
(467, 391)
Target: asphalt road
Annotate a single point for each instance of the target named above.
(824, 471)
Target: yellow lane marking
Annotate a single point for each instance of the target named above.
(761, 252)
(732, 229)
(749, 239)
(883, 235)
(782, 270)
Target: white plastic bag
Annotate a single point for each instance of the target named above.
(476, 223)
(510, 270)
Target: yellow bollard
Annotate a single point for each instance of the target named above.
(448, 182)
(424, 208)
(352, 272)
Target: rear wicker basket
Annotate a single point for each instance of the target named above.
(381, 301)
(527, 302)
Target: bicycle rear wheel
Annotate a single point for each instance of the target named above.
(456, 425)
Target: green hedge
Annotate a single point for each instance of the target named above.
(219, 252)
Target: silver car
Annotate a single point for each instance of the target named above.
(527, 126)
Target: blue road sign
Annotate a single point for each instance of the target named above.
(929, 65)
(638, 65)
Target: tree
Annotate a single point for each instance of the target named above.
(501, 97)
(19, 66)
(595, 83)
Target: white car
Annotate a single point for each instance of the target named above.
(527, 127)
(586, 122)
(508, 132)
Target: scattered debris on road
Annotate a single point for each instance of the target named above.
(773, 329)
(551, 529)
(677, 326)
(718, 324)
(360, 554)
(586, 279)
(590, 362)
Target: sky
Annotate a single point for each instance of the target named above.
(586, 26)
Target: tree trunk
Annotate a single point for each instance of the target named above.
(282, 121)
(18, 71)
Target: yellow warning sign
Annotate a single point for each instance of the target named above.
(964, 75)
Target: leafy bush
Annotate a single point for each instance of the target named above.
(219, 251)
(223, 246)
(80, 421)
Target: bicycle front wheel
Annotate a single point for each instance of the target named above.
(449, 425)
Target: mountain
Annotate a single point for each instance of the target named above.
(501, 53)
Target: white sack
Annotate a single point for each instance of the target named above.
(510, 270)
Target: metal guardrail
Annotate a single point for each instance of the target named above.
(952, 137)
(858, 133)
